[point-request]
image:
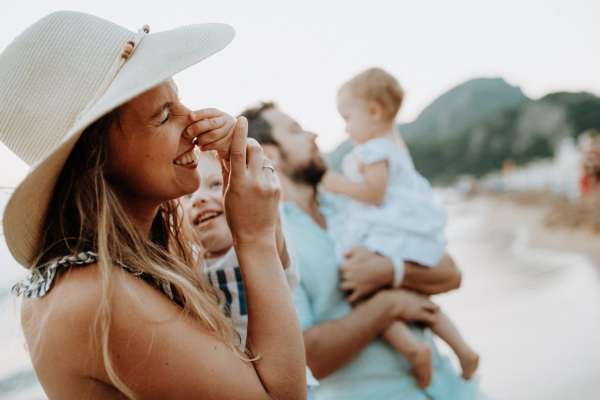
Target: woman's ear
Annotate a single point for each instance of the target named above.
(376, 111)
(272, 152)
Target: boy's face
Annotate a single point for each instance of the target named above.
(355, 112)
(204, 208)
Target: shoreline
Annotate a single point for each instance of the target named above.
(554, 221)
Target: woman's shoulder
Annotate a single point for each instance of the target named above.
(77, 293)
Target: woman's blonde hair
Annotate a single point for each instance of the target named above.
(85, 215)
(377, 85)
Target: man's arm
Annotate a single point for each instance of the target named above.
(331, 345)
(365, 272)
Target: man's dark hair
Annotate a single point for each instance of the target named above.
(258, 127)
(262, 131)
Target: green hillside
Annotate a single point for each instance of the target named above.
(461, 107)
(531, 130)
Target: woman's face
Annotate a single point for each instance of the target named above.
(204, 208)
(150, 160)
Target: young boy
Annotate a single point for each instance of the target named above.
(393, 211)
(204, 211)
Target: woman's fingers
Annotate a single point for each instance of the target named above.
(238, 147)
(221, 146)
(224, 173)
(254, 157)
(203, 118)
(205, 125)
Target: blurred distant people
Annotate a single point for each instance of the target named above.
(589, 183)
(343, 345)
(392, 211)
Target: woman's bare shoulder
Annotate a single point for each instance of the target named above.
(157, 348)
(77, 294)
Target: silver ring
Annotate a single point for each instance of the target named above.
(268, 164)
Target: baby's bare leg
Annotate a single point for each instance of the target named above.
(445, 329)
(418, 353)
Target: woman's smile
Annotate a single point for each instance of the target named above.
(189, 159)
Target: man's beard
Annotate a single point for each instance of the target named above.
(309, 174)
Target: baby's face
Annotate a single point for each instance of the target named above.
(204, 208)
(355, 112)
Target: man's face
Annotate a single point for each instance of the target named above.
(300, 157)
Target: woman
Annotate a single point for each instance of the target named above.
(114, 307)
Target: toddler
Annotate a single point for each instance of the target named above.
(392, 209)
(204, 211)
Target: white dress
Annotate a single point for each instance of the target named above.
(408, 225)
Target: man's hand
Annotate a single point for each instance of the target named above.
(364, 272)
(409, 305)
(330, 345)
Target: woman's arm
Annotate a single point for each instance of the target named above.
(372, 190)
(252, 210)
(281, 245)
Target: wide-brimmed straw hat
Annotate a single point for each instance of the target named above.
(62, 74)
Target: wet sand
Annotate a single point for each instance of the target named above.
(529, 302)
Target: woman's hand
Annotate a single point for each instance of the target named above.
(251, 192)
(213, 130)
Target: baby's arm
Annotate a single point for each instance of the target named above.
(372, 190)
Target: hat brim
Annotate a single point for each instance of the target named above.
(158, 57)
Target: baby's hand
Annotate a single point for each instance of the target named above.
(332, 181)
(213, 130)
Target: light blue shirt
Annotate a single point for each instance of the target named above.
(378, 372)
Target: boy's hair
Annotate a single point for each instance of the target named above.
(258, 127)
(377, 85)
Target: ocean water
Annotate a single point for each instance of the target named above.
(532, 314)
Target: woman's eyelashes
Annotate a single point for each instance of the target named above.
(168, 117)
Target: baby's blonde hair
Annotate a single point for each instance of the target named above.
(377, 85)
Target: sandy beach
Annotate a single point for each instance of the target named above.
(529, 304)
(529, 301)
(547, 218)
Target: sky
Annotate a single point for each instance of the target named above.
(299, 53)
